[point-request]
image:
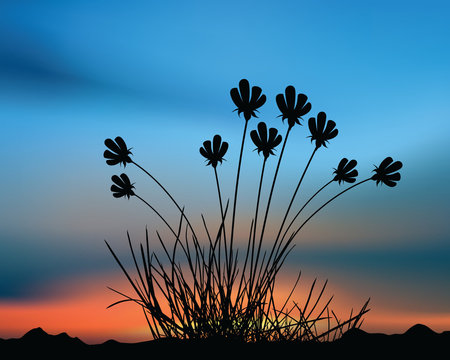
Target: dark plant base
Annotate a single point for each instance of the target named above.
(355, 344)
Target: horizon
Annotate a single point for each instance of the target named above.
(159, 75)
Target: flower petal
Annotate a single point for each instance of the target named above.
(394, 167)
(244, 88)
(352, 163)
(352, 174)
(260, 102)
(115, 188)
(117, 180)
(321, 120)
(121, 143)
(290, 97)
(256, 92)
(109, 155)
(272, 135)
(277, 141)
(312, 127)
(204, 153)
(223, 150)
(125, 179)
(216, 144)
(385, 163)
(110, 144)
(256, 140)
(394, 177)
(342, 164)
(113, 162)
(234, 93)
(262, 129)
(281, 103)
(330, 126)
(207, 146)
(389, 183)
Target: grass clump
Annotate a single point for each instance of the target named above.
(200, 287)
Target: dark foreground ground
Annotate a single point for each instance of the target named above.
(355, 344)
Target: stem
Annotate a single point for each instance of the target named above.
(236, 191)
(270, 198)
(157, 213)
(295, 194)
(320, 208)
(220, 201)
(222, 225)
(256, 217)
(291, 223)
(168, 194)
(298, 213)
(273, 186)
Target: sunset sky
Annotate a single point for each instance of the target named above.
(73, 73)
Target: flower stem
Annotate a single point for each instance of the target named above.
(273, 251)
(320, 208)
(168, 194)
(295, 194)
(236, 192)
(273, 186)
(222, 225)
(220, 196)
(157, 213)
(270, 198)
(256, 219)
(298, 213)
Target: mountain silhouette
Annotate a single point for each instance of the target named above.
(355, 343)
(420, 330)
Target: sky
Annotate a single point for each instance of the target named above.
(158, 74)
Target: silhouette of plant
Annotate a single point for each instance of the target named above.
(265, 144)
(386, 172)
(118, 152)
(216, 153)
(346, 171)
(319, 132)
(122, 186)
(289, 109)
(246, 104)
(213, 156)
(199, 291)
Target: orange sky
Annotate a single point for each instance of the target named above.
(79, 308)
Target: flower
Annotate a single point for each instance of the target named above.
(244, 102)
(346, 171)
(386, 172)
(321, 133)
(122, 186)
(287, 106)
(264, 143)
(216, 154)
(119, 152)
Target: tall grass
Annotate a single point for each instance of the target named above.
(201, 287)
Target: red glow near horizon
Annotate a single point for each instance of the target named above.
(81, 312)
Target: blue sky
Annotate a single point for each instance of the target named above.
(73, 73)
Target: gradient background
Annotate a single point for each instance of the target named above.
(73, 73)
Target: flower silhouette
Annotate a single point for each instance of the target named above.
(122, 186)
(346, 171)
(119, 152)
(216, 153)
(246, 104)
(321, 133)
(386, 172)
(290, 110)
(264, 143)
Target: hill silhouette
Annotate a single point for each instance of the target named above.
(356, 343)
